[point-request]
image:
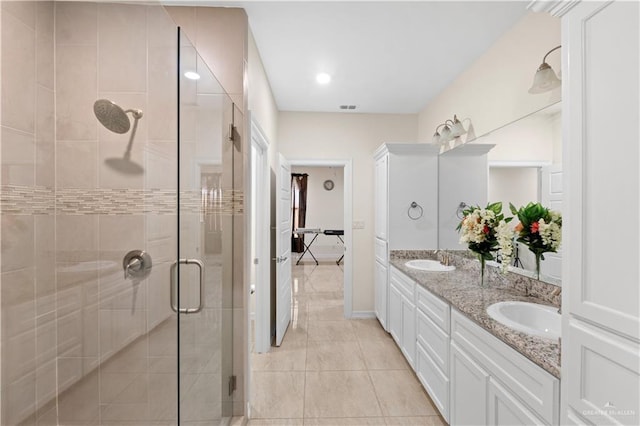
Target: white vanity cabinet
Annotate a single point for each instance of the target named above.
(473, 377)
(402, 314)
(601, 320)
(432, 347)
(517, 389)
(601, 304)
(404, 173)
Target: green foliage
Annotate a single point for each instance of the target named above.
(529, 216)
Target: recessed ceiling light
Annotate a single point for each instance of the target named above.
(192, 75)
(323, 78)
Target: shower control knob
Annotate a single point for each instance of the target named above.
(136, 264)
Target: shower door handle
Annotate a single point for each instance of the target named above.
(174, 289)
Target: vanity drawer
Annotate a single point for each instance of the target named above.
(381, 251)
(433, 307)
(404, 284)
(539, 390)
(433, 340)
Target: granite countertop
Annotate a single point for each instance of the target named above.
(461, 289)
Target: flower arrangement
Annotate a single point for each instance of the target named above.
(485, 230)
(540, 229)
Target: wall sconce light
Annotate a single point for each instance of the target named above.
(545, 78)
(451, 129)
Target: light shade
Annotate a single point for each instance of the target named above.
(457, 129)
(544, 80)
(436, 138)
(446, 136)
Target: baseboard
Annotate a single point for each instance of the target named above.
(363, 315)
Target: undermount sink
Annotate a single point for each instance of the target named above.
(531, 318)
(429, 265)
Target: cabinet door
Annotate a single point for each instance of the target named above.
(505, 409)
(601, 177)
(381, 197)
(468, 387)
(409, 331)
(395, 314)
(604, 376)
(381, 290)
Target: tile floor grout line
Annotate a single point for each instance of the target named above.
(322, 302)
(306, 358)
(374, 387)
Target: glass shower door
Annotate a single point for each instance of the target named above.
(203, 274)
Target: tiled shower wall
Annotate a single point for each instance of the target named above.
(28, 261)
(66, 307)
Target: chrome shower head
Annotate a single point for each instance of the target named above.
(113, 117)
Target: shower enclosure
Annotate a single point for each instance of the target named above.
(118, 257)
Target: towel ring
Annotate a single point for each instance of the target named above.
(460, 209)
(415, 205)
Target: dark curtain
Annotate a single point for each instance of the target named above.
(299, 209)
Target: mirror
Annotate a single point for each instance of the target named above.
(526, 165)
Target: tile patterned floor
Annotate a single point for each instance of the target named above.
(331, 371)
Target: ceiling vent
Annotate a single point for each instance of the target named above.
(347, 107)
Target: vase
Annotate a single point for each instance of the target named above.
(538, 256)
(482, 265)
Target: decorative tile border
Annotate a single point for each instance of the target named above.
(21, 200)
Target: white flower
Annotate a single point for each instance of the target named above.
(504, 235)
(474, 224)
(551, 234)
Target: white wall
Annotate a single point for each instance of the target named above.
(517, 185)
(261, 101)
(325, 209)
(493, 90)
(349, 136)
(530, 139)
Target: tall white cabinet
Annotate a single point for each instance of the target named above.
(404, 174)
(600, 278)
(464, 178)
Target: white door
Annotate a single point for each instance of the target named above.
(260, 241)
(551, 197)
(283, 249)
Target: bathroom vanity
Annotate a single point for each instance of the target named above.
(476, 370)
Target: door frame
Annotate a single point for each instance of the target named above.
(347, 166)
(262, 240)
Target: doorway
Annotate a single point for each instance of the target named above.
(326, 217)
(262, 302)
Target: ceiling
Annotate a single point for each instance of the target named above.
(383, 56)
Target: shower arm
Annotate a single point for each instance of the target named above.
(137, 114)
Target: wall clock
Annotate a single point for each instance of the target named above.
(328, 184)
